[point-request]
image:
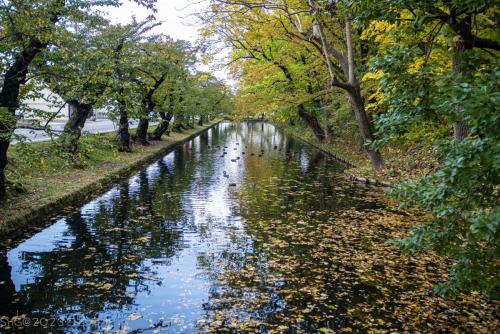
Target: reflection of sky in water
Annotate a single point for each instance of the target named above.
(304, 161)
(105, 200)
(152, 173)
(53, 238)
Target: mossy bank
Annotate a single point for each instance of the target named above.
(45, 181)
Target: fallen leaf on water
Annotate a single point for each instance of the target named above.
(135, 316)
(106, 286)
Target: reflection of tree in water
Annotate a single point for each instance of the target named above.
(101, 269)
(81, 278)
(10, 300)
(96, 271)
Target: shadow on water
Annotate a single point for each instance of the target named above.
(232, 230)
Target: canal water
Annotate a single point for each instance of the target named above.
(241, 229)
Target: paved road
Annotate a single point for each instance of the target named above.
(99, 126)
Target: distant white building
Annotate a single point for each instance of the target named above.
(50, 102)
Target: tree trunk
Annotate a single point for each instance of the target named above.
(178, 127)
(149, 106)
(312, 122)
(326, 126)
(142, 131)
(16, 75)
(460, 129)
(162, 127)
(4, 147)
(365, 127)
(356, 100)
(7, 126)
(123, 130)
(73, 129)
(179, 122)
(200, 121)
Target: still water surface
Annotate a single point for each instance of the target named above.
(220, 234)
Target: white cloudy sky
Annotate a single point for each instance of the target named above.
(174, 14)
(177, 18)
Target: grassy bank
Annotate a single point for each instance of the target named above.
(401, 163)
(45, 180)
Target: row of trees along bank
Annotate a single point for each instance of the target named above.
(415, 80)
(69, 48)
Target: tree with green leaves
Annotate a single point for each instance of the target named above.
(28, 29)
(123, 93)
(469, 25)
(172, 90)
(277, 76)
(80, 70)
(312, 23)
(180, 58)
(211, 97)
(21, 43)
(437, 67)
(156, 65)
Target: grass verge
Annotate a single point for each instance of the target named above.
(401, 163)
(45, 181)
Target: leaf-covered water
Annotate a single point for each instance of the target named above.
(242, 229)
